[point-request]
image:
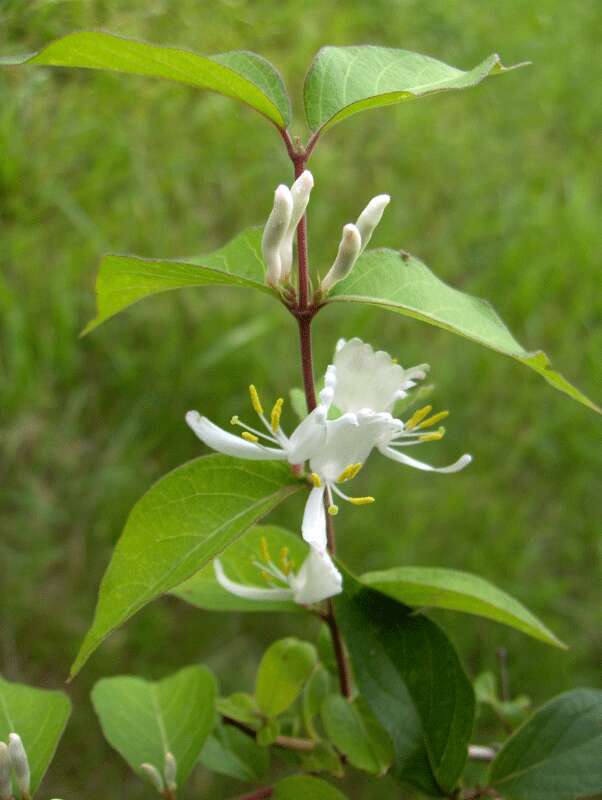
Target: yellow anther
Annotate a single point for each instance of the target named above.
(361, 501)
(265, 550)
(315, 479)
(234, 420)
(266, 576)
(275, 415)
(434, 419)
(284, 562)
(333, 510)
(395, 360)
(255, 401)
(356, 469)
(434, 436)
(417, 417)
(346, 474)
(249, 437)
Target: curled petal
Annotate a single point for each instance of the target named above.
(248, 592)
(218, 439)
(317, 579)
(308, 437)
(401, 458)
(313, 528)
(365, 378)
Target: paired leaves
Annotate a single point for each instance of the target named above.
(123, 280)
(413, 682)
(39, 717)
(241, 75)
(459, 591)
(231, 752)
(398, 282)
(144, 720)
(184, 521)
(556, 754)
(344, 80)
(284, 669)
(240, 561)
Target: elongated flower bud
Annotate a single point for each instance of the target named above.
(349, 250)
(274, 232)
(300, 192)
(370, 217)
(20, 763)
(170, 771)
(5, 781)
(154, 776)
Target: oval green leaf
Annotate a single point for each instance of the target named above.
(284, 669)
(555, 755)
(357, 734)
(344, 80)
(229, 751)
(39, 717)
(123, 280)
(241, 75)
(435, 587)
(144, 720)
(239, 561)
(396, 281)
(184, 521)
(413, 683)
(304, 787)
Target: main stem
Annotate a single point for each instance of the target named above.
(304, 313)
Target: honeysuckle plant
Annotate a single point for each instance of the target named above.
(381, 688)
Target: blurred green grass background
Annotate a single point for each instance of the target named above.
(497, 189)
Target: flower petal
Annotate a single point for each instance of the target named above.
(317, 579)
(401, 458)
(313, 527)
(308, 437)
(228, 444)
(349, 440)
(248, 592)
(365, 378)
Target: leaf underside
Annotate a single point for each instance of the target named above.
(241, 75)
(396, 281)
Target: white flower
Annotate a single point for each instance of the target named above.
(363, 385)
(316, 580)
(277, 241)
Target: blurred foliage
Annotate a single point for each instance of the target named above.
(497, 189)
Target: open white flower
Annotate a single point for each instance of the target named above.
(364, 385)
(316, 580)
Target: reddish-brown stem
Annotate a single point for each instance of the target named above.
(304, 313)
(286, 742)
(258, 794)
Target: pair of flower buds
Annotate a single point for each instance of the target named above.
(166, 783)
(288, 210)
(14, 761)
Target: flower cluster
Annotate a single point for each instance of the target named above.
(354, 416)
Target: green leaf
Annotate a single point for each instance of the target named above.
(410, 676)
(323, 758)
(39, 717)
(240, 706)
(231, 752)
(123, 280)
(355, 733)
(304, 787)
(555, 755)
(398, 282)
(315, 692)
(239, 562)
(239, 74)
(144, 720)
(285, 667)
(435, 587)
(509, 711)
(183, 521)
(344, 80)
(298, 402)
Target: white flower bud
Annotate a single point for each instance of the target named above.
(349, 250)
(370, 217)
(274, 232)
(170, 772)
(154, 776)
(300, 192)
(20, 763)
(6, 790)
